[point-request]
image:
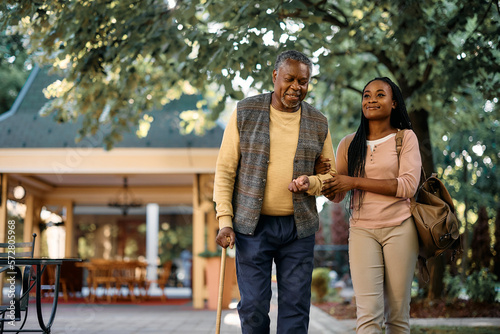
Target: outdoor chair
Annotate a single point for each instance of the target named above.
(101, 273)
(162, 282)
(20, 283)
(131, 274)
(51, 273)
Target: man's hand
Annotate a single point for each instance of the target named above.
(226, 237)
(299, 185)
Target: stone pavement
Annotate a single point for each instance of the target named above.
(184, 319)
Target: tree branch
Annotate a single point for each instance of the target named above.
(327, 17)
(484, 17)
(382, 57)
(354, 89)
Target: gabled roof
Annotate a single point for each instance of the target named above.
(23, 127)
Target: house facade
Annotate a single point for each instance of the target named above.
(126, 198)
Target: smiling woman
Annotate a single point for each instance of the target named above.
(377, 107)
(383, 241)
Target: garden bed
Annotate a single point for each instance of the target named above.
(423, 309)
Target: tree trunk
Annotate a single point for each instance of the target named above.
(420, 122)
(496, 259)
(436, 273)
(465, 235)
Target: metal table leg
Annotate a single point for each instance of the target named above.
(46, 327)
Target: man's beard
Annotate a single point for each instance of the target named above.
(290, 105)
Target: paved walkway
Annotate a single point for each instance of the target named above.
(175, 319)
(184, 319)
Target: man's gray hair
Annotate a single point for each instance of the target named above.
(295, 55)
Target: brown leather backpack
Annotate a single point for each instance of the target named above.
(434, 215)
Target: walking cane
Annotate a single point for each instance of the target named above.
(221, 287)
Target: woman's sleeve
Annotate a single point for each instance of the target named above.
(410, 165)
(341, 164)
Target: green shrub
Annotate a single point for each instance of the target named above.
(320, 283)
(453, 286)
(480, 286)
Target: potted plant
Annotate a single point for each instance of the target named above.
(212, 273)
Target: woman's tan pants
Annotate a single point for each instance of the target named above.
(382, 265)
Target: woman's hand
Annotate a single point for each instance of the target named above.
(299, 185)
(337, 184)
(322, 166)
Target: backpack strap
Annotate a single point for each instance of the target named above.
(399, 142)
(422, 262)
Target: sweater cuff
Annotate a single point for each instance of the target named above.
(315, 186)
(225, 221)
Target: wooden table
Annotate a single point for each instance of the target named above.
(113, 274)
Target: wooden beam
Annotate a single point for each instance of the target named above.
(67, 161)
(198, 279)
(163, 195)
(69, 224)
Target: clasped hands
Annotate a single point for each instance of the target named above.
(331, 186)
(336, 184)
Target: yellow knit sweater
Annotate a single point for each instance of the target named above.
(284, 134)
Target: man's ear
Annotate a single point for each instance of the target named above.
(275, 73)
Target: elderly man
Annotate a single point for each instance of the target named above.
(265, 191)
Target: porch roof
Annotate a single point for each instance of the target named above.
(23, 127)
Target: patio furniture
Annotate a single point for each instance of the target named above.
(101, 273)
(51, 273)
(20, 281)
(31, 278)
(164, 273)
(113, 275)
(131, 274)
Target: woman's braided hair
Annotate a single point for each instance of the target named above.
(356, 156)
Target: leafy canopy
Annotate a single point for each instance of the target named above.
(14, 69)
(120, 59)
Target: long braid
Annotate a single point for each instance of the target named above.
(356, 154)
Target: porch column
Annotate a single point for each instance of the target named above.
(3, 206)
(69, 224)
(203, 234)
(152, 228)
(29, 219)
(3, 218)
